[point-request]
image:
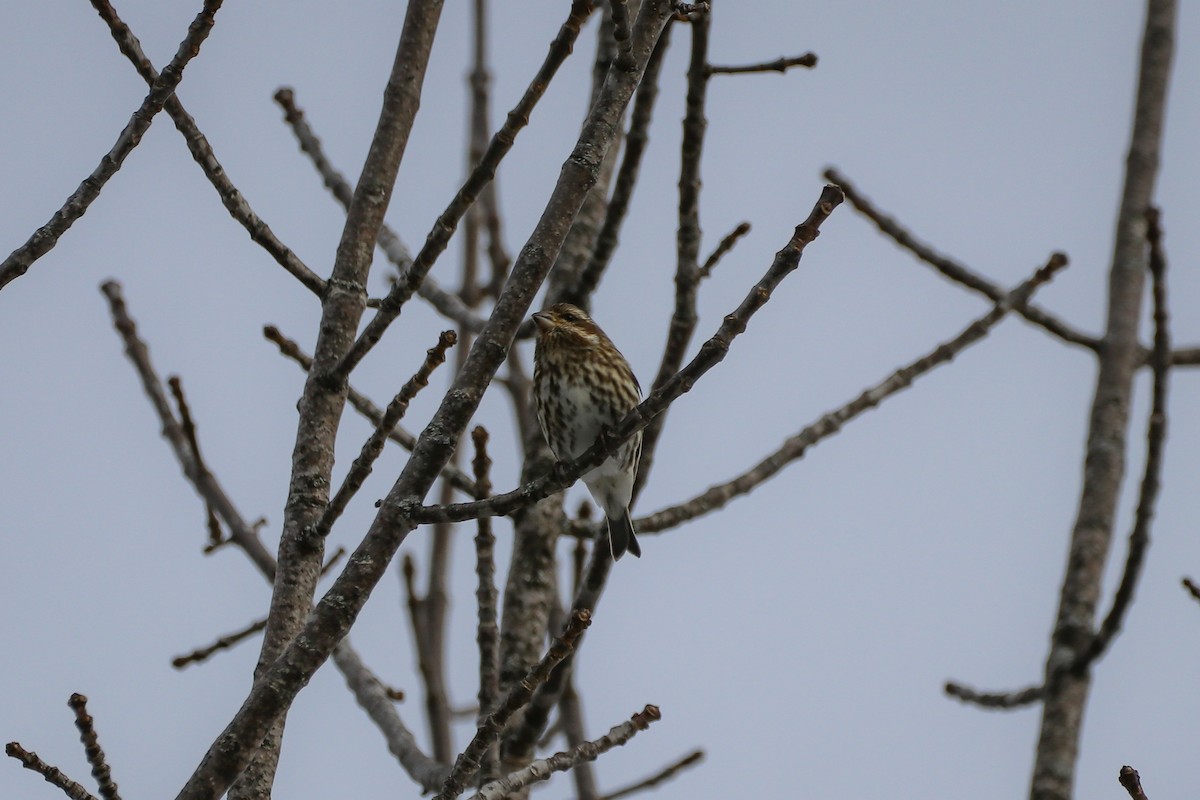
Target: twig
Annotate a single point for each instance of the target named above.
(91, 747)
(446, 303)
(955, 271)
(203, 481)
(711, 353)
(1156, 434)
(44, 239)
(188, 426)
(781, 65)
(445, 225)
(1192, 587)
(226, 642)
(670, 771)
(995, 700)
(627, 174)
(362, 466)
(1132, 782)
(468, 762)
(202, 153)
(487, 634)
(52, 774)
(542, 769)
(429, 663)
(687, 240)
(724, 246)
(368, 409)
(717, 496)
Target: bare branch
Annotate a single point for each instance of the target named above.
(711, 353)
(202, 480)
(468, 762)
(724, 246)
(955, 271)
(665, 774)
(1132, 782)
(543, 769)
(91, 747)
(1156, 433)
(44, 239)
(202, 153)
(1104, 464)
(483, 173)
(446, 303)
(362, 466)
(795, 447)
(487, 634)
(224, 643)
(1192, 588)
(368, 409)
(996, 700)
(781, 65)
(687, 239)
(51, 773)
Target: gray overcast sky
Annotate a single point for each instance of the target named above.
(801, 636)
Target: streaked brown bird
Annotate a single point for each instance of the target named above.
(581, 386)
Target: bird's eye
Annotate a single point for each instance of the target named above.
(570, 316)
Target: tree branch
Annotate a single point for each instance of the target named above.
(687, 239)
(665, 774)
(91, 747)
(202, 153)
(717, 496)
(1104, 464)
(955, 271)
(51, 773)
(543, 769)
(44, 239)
(781, 65)
(363, 405)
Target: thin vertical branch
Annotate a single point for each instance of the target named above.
(687, 239)
(487, 633)
(1104, 465)
(91, 747)
(44, 239)
(1156, 435)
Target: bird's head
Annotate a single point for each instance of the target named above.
(567, 325)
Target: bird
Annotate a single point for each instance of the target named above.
(582, 385)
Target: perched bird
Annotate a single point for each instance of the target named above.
(581, 386)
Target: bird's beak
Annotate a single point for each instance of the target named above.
(543, 321)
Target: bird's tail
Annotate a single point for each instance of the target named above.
(621, 537)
